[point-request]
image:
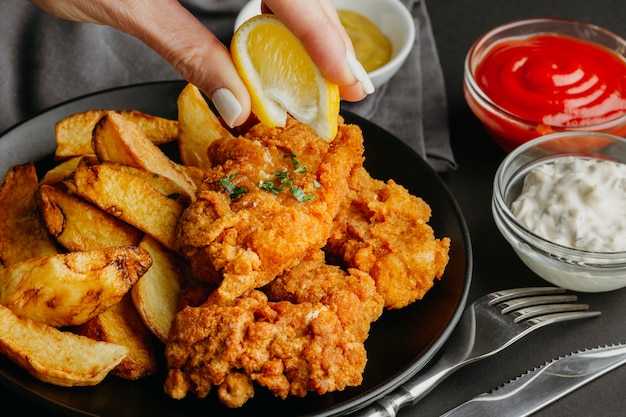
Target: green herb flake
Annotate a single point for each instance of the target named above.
(283, 178)
(317, 184)
(234, 190)
(299, 194)
(269, 185)
(294, 161)
(296, 165)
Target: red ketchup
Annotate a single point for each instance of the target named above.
(556, 82)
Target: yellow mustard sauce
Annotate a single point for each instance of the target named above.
(372, 48)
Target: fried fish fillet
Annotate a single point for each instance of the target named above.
(383, 230)
(288, 348)
(268, 201)
(315, 281)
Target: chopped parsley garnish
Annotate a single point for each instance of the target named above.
(269, 185)
(234, 190)
(283, 177)
(299, 194)
(285, 180)
(294, 161)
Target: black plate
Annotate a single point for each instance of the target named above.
(401, 342)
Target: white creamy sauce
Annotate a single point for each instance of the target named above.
(576, 202)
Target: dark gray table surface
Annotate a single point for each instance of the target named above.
(456, 24)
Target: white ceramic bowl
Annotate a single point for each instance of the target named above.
(563, 266)
(392, 18)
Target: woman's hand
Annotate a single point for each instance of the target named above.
(181, 39)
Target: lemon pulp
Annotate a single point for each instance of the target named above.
(282, 78)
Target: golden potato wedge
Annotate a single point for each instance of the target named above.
(73, 134)
(116, 139)
(122, 325)
(196, 174)
(130, 198)
(69, 289)
(198, 126)
(23, 234)
(160, 183)
(65, 169)
(157, 293)
(54, 356)
(80, 226)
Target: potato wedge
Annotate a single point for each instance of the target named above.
(198, 127)
(65, 169)
(196, 174)
(122, 325)
(23, 234)
(116, 139)
(162, 184)
(73, 134)
(80, 226)
(69, 289)
(54, 356)
(157, 293)
(130, 198)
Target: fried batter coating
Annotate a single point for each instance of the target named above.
(382, 230)
(352, 295)
(268, 202)
(289, 348)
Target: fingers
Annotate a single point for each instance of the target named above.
(317, 25)
(175, 34)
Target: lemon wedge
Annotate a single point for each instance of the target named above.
(282, 78)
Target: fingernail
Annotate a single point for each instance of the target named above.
(359, 72)
(227, 105)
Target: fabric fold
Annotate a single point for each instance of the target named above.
(413, 105)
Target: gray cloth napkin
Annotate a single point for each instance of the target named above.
(45, 61)
(413, 104)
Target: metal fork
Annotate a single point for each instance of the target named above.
(487, 326)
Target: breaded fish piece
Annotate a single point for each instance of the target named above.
(268, 202)
(288, 348)
(383, 230)
(315, 281)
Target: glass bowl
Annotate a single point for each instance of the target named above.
(508, 129)
(567, 267)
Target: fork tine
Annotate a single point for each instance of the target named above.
(534, 311)
(558, 317)
(517, 303)
(504, 295)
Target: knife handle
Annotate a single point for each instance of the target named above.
(408, 393)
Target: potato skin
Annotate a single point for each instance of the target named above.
(122, 325)
(80, 226)
(23, 234)
(69, 289)
(56, 357)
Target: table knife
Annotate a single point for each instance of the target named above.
(543, 385)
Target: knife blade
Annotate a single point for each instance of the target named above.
(543, 385)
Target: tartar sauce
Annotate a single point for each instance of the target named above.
(576, 202)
